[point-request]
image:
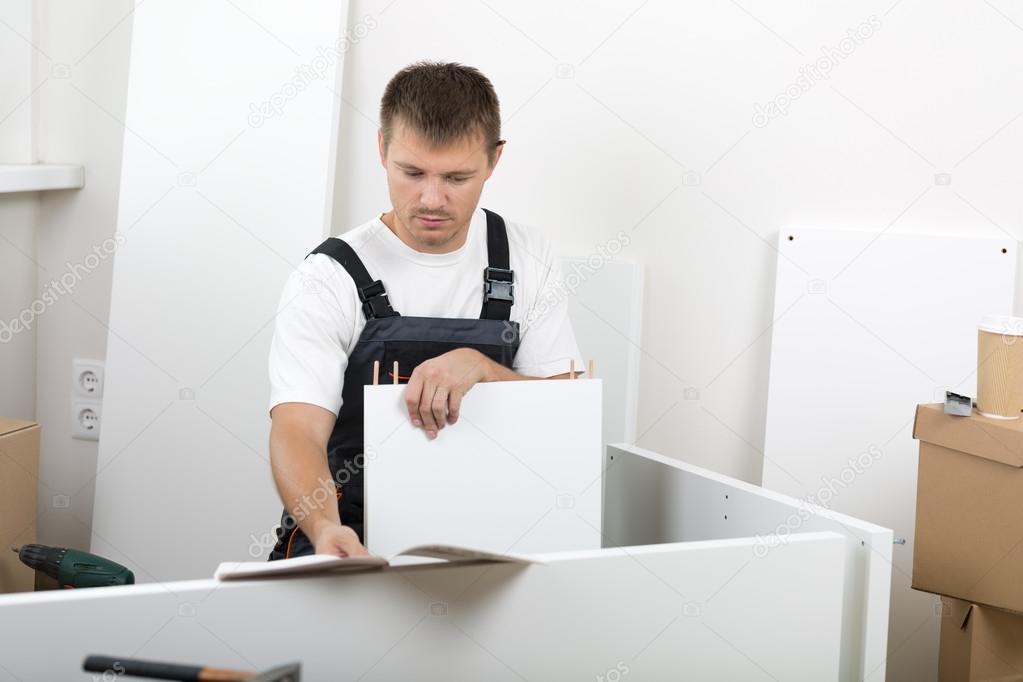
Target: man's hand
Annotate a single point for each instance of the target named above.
(339, 541)
(435, 389)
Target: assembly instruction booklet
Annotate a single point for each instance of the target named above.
(324, 563)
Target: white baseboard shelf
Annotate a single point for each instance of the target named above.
(36, 177)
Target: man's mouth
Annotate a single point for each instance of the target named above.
(431, 221)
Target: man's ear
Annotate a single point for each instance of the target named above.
(381, 147)
(497, 156)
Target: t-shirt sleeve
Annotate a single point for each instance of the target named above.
(547, 342)
(308, 355)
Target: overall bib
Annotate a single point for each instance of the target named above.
(390, 337)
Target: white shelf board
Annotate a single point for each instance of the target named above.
(34, 177)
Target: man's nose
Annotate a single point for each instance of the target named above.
(433, 194)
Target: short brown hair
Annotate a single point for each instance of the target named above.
(445, 102)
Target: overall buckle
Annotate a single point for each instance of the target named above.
(498, 285)
(374, 301)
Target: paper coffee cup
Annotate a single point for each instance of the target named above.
(1000, 366)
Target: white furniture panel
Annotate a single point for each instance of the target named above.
(867, 326)
(519, 472)
(606, 310)
(650, 498)
(220, 198)
(689, 611)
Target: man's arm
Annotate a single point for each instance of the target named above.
(298, 458)
(435, 390)
(498, 372)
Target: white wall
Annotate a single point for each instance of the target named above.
(17, 211)
(62, 75)
(83, 57)
(63, 68)
(652, 132)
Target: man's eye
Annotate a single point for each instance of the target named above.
(413, 174)
(458, 180)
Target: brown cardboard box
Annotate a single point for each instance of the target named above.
(969, 508)
(19, 484)
(979, 643)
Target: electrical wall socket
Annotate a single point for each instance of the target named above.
(85, 419)
(87, 378)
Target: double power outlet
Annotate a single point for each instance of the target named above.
(86, 398)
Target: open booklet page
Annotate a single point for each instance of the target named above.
(323, 563)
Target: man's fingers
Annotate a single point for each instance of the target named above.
(340, 541)
(454, 405)
(426, 408)
(413, 394)
(433, 395)
(348, 542)
(439, 407)
(352, 547)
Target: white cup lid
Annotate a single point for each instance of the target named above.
(1002, 324)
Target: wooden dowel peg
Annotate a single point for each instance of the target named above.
(589, 369)
(571, 369)
(395, 372)
(376, 372)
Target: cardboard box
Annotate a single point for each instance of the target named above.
(969, 508)
(19, 485)
(979, 643)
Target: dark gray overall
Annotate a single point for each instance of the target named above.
(389, 337)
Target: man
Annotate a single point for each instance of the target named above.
(430, 310)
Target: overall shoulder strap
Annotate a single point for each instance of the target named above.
(498, 278)
(371, 292)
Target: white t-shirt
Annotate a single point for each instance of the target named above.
(320, 317)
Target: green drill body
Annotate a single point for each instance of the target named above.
(74, 568)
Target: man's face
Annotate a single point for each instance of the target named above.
(434, 190)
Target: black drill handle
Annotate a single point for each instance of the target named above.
(160, 671)
(153, 669)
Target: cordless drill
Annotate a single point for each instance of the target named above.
(74, 568)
